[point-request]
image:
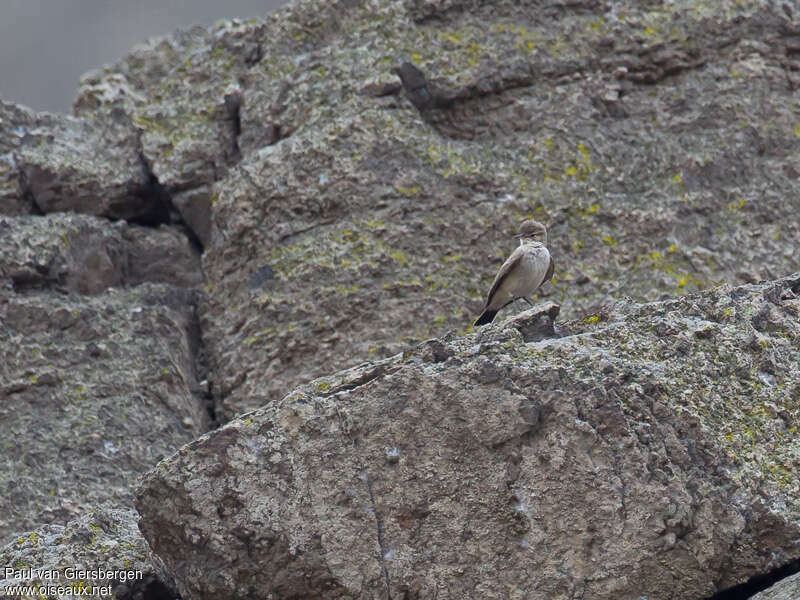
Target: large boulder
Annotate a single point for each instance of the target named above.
(102, 358)
(650, 451)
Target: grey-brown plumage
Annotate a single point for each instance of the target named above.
(525, 271)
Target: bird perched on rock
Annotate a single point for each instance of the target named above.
(527, 269)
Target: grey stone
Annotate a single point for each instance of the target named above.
(88, 255)
(636, 137)
(384, 227)
(194, 206)
(94, 390)
(53, 163)
(13, 122)
(341, 224)
(785, 589)
(536, 323)
(629, 458)
(104, 540)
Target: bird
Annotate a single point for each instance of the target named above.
(525, 271)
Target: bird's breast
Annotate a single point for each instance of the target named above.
(533, 266)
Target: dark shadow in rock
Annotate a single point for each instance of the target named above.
(164, 211)
(757, 583)
(233, 109)
(148, 588)
(153, 196)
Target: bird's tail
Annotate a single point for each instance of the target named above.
(486, 317)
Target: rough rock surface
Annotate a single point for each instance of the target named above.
(101, 349)
(104, 539)
(652, 451)
(786, 589)
(344, 218)
(51, 163)
(94, 390)
(13, 120)
(88, 255)
(658, 141)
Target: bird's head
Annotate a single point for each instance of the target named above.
(531, 230)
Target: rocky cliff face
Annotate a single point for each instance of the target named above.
(231, 213)
(653, 453)
(340, 223)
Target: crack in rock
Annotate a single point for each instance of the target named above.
(364, 476)
(379, 524)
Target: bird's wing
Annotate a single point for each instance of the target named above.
(549, 275)
(507, 267)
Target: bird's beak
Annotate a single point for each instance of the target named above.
(518, 236)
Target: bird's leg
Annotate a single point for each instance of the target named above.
(528, 301)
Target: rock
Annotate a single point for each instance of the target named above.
(188, 130)
(58, 555)
(785, 589)
(88, 255)
(57, 163)
(637, 141)
(195, 208)
(94, 390)
(341, 222)
(13, 122)
(628, 458)
(288, 142)
(419, 92)
(163, 255)
(535, 323)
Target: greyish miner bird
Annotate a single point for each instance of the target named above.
(528, 268)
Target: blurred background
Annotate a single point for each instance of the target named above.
(46, 45)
